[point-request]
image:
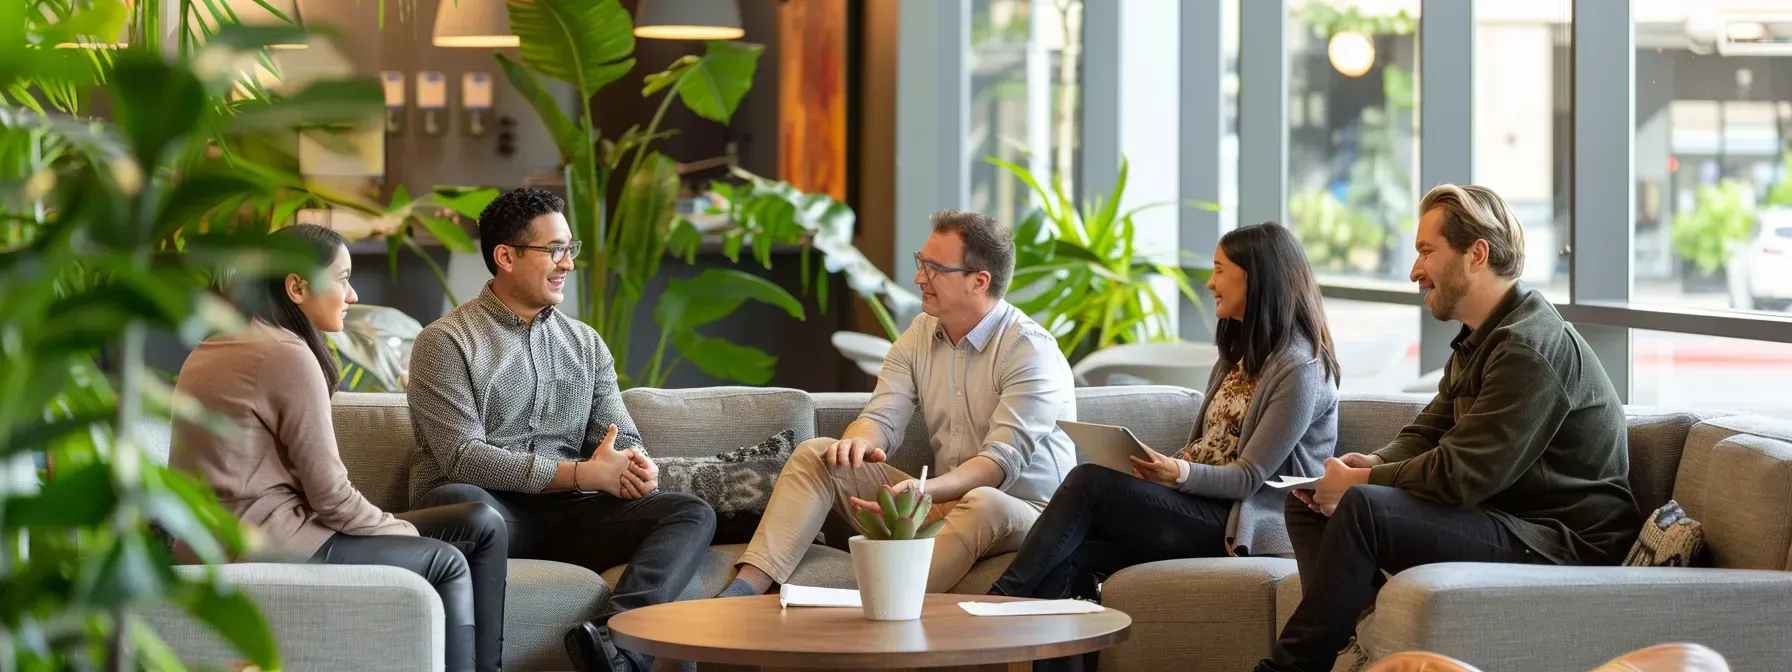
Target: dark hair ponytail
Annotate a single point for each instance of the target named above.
(1281, 298)
(265, 297)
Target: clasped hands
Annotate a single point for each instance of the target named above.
(629, 474)
(1341, 474)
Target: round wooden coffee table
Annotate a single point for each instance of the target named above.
(754, 633)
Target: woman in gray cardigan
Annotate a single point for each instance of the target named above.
(1271, 410)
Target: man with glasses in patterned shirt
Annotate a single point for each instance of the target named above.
(991, 386)
(515, 405)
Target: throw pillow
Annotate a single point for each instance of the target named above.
(737, 483)
(1669, 539)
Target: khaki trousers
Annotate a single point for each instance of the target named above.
(985, 522)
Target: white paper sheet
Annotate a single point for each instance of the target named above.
(1292, 481)
(1030, 608)
(811, 596)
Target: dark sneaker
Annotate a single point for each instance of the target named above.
(590, 649)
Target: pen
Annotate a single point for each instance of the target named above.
(921, 488)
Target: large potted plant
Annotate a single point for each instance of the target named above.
(891, 559)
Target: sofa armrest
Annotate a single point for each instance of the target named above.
(1537, 617)
(324, 617)
(1203, 614)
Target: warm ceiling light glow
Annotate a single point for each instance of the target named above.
(689, 32)
(478, 24)
(1747, 31)
(1352, 53)
(477, 41)
(92, 45)
(688, 20)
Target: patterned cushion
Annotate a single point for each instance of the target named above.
(738, 483)
(1669, 539)
(706, 421)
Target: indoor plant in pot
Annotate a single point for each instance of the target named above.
(891, 559)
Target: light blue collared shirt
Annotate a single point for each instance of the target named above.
(999, 393)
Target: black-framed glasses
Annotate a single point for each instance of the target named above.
(556, 253)
(929, 268)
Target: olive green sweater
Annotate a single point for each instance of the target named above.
(1527, 427)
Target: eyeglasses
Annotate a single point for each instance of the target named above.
(929, 268)
(556, 253)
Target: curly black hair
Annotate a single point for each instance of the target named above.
(506, 220)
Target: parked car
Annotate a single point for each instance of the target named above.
(1761, 272)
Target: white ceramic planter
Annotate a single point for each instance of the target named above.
(892, 576)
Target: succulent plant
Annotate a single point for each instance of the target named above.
(903, 514)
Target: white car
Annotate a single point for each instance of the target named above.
(1761, 271)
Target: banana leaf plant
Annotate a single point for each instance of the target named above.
(81, 563)
(1078, 272)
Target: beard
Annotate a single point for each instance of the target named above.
(1447, 291)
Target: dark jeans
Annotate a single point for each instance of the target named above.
(462, 553)
(1099, 522)
(1341, 558)
(662, 537)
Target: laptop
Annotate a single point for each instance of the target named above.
(1106, 445)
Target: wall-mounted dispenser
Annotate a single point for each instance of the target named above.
(432, 101)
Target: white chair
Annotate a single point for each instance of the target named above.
(865, 350)
(1182, 364)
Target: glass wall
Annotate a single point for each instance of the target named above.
(1352, 136)
(1714, 195)
(1377, 344)
(1704, 372)
(1523, 121)
(1023, 98)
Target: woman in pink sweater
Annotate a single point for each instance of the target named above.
(283, 474)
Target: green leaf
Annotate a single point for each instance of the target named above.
(645, 215)
(870, 525)
(658, 81)
(248, 38)
(586, 43)
(560, 127)
(469, 204)
(684, 241)
(199, 194)
(401, 199)
(715, 85)
(727, 360)
(714, 294)
(78, 497)
(234, 616)
(906, 501)
(156, 105)
(155, 653)
(452, 235)
(932, 529)
(130, 571)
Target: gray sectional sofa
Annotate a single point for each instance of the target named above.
(1734, 473)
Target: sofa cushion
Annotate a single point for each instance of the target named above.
(542, 601)
(821, 566)
(983, 575)
(1740, 489)
(1161, 416)
(374, 436)
(1367, 422)
(737, 484)
(1657, 439)
(706, 421)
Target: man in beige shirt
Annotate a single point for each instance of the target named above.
(991, 386)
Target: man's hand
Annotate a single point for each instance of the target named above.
(896, 489)
(603, 470)
(1361, 460)
(1330, 488)
(851, 453)
(1158, 468)
(641, 478)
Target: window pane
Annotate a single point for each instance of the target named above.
(1352, 137)
(1377, 345)
(1714, 198)
(1016, 87)
(1705, 372)
(1523, 115)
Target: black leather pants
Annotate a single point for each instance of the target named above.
(462, 552)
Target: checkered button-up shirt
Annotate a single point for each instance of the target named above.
(497, 402)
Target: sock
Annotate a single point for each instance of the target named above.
(740, 588)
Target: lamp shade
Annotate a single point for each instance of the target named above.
(473, 23)
(688, 20)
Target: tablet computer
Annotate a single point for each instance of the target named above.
(1106, 445)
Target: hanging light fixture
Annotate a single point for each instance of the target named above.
(689, 20)
(1352, 53)
(473, 23)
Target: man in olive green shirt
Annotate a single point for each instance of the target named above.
(1520, 458)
